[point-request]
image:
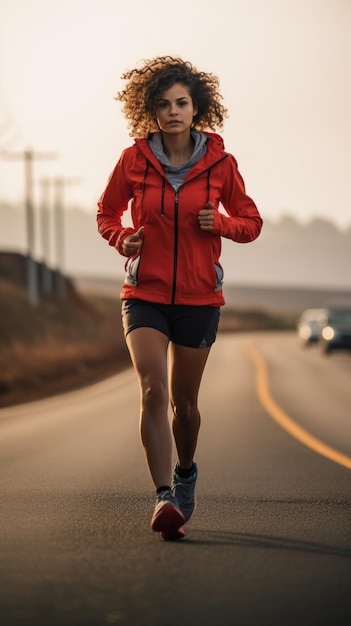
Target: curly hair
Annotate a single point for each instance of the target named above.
(145, 84)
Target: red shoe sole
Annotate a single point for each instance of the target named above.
(168, 521)
(173, 536)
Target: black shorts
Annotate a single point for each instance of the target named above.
(190, 326)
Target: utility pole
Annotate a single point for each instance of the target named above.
(46, 278)
(28, 157)
(32, 275)
(59, 217)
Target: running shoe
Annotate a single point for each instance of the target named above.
(168, 519)
(184, 491)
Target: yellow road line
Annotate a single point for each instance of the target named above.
(266, 399)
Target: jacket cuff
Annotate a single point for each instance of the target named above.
(220, 226)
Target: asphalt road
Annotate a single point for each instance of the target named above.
(269, 543)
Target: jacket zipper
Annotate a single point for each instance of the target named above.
(175, 258)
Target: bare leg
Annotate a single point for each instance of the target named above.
(187, 366)
(148, 349)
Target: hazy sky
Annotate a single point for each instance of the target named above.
(285, 73)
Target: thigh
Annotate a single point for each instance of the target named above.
(148, 350)
(186, 369)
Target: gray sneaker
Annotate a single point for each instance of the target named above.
(168, 519)
(184, 491)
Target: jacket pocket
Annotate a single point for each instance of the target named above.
(219, 277)
(132, 267)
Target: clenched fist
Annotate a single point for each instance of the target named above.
(132, 243)
(206, 217)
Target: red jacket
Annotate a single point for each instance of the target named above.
(178, 263)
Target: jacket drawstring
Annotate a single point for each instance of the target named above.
(208, 184)
(163, 198)
(142, 188)
(142, 185)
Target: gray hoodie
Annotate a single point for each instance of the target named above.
(177, 173)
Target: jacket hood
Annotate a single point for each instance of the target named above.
(218, 140)
(156, 144)
(214, 142)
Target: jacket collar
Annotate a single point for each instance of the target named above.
(215, 153)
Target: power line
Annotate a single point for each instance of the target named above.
(7, 136)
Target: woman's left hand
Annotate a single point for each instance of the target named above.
(206, 217)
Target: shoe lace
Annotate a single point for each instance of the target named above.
(187, 487)
(165, 495)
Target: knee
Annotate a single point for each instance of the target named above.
(184, 409)
(154, 393)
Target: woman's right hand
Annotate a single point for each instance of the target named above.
(133, 243)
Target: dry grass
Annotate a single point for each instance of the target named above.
(56, 346)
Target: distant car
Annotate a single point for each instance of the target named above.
(309, 326)
(335, 329)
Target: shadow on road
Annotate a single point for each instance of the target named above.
(247, 540)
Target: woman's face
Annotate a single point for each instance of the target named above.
(175, 110)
